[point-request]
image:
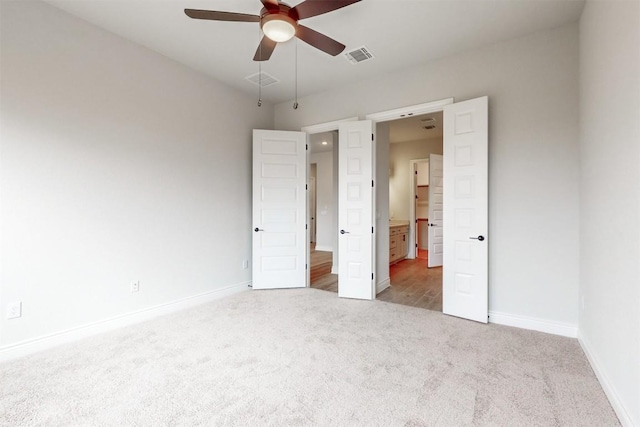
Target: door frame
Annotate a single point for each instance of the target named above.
(310, 130)
(413, 216)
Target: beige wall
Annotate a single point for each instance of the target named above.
(117, 165)
(533, 157)
(400, 179)
(325, 199)
(610, 199)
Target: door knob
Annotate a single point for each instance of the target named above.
(480, 238)
(344, 232)
(433, 225)
(257, 229)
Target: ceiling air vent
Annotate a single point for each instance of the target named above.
(262, 79)
(359, 55)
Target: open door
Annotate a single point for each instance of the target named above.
(279, 209)
(465, 274)
(356, 240)
(435, 239)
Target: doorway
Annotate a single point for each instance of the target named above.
(412, 140)
(323, 202)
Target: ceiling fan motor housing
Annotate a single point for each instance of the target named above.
(283, 13)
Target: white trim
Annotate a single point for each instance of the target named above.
(334, 269)
(541, 325)
(381, 286)
(322, 248)
(413, 229)
(609, 390)
(45, 342)
(328, 126)
(413, 110)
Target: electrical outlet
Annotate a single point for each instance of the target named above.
(135, 286)
(14, 310)
(245, 264)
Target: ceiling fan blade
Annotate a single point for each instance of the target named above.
(319, 40)
(214, 15)
(310, 8)
(270, 4)
(265, 49)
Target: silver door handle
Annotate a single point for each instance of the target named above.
(480, 238)
(257, 229)
(344, 232)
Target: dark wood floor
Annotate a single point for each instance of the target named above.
(412, 283)
(320, 274)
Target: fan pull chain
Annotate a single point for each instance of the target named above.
(260, 80)
(260, 70)
(295, 104)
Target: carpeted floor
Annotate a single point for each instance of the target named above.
(301, 358)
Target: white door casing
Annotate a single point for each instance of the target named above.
(436, 218)
(465, 274)
(279, 209)
(356, 214)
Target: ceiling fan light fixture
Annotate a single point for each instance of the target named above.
(279, 28)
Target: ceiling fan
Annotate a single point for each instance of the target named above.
(279, 22)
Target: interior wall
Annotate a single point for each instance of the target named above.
(533, 157)
(325, 221)
(118, 164)
(610, 199)
(400, 179)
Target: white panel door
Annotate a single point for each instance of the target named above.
(436, 243)
(279, 209)
(465, 274)
(355, 217)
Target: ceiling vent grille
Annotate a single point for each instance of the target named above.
(262, 79)
(358, 55)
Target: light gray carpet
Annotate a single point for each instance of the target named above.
(301, 358)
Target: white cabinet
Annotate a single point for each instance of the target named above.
(423, 173)
(398, 243)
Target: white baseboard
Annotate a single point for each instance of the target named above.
(48, 341)
(541, 325)
(614, 399)
(324, 248)
(381, 286)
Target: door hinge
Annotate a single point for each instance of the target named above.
(306, 187)
(371, 276)
(372, 137)
(416, 172)
(371, 230)
(306, 226)
(306, 266)
(372, 184)
(416, 196)
(306, 146)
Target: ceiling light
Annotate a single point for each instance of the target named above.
(279, 28)
(324, 142)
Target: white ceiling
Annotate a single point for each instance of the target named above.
(400, 33)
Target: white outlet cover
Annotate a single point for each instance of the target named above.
(14, 310)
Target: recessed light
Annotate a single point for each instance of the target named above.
(324, 142)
